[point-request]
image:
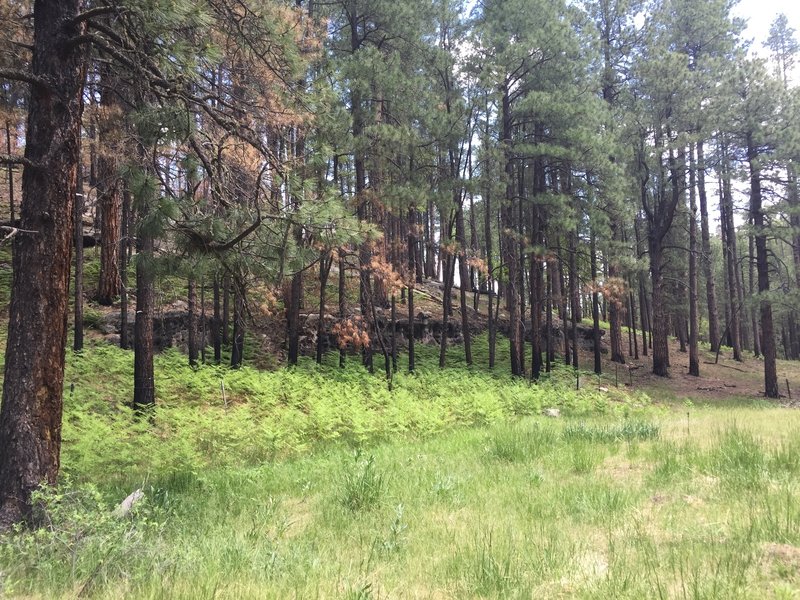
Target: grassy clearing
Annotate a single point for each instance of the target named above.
(320, 482)
(603, 506)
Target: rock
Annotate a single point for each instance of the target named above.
(553, 413)
(127, 505)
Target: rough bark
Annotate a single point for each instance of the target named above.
(694, 358)
(706, 257)
(143, 374)
(239, 325)
(109, 188)
(193, 345)
(30, 416)
(768, 348)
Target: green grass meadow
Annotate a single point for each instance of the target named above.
(316, 482)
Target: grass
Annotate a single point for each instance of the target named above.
(527, 508)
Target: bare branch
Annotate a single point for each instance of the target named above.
(10, 159)
(23, 76)
(12, 231)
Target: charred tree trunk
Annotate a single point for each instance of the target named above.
(730, 256)
(239, 325)
(762, 263)
(216, 323)
(598, 366)
(706, 257)
(464, 276)
(77, 341)
(143, 375)
(325, 263)
(694, 358)
(122, 260)
(193, 329)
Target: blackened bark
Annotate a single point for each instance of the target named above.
(237, 349)
(122, 260)
(325, 262)
(574, 294)
(226, 309)
(143, 375)
(598, 366)
(295, 290)
(342, 301)
(730, 255)
(762, 263)
(77, 341)
(216, 323)
(192, 324)
(11, 207)
(30, 416)
(706, 257)
(463, 273)
(694, 358)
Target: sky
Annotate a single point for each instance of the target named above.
(760, 14)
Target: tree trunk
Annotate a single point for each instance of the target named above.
(77, 341)
(707, 259)
(574, 293)
(237, 348)
(30, 416)
(762, 264)
(143, 375)
(598, 366)
(730, 256)
(463, 274)
(11, 207)
(216, 323)
(293, 317)
(192, 302)
(694, 358)
(122, 260)
(342, 302)
(109, 190)
(325, 263)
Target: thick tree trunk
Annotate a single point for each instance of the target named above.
(30, 416)
(762, 263)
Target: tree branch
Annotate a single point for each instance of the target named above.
(9, 159)
(24, 76)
